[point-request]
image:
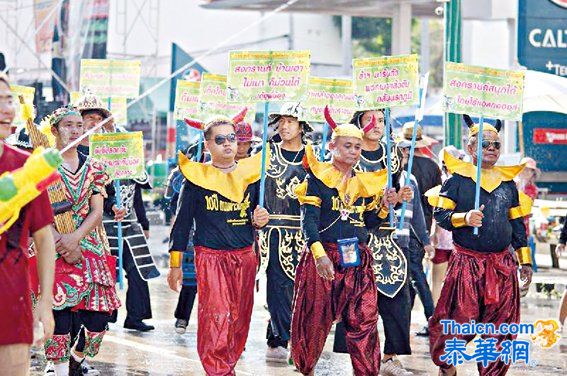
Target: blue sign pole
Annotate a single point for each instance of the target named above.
(478, 167)
(264, 154)
(324, 141)
(389, 161)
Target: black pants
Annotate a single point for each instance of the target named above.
(93, 321)
(138, 305)
(395, 315)
(185, 302)
(419, 280)
(279, 290)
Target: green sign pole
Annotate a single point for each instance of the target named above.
(452, 52)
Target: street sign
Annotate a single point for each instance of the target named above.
(542, 35)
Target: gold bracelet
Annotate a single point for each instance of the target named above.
(524, 256)
(317, 250)
(175, 258)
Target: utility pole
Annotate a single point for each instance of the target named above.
(452, 52)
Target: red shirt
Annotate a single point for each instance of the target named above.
(16, 323)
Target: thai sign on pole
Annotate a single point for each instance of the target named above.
(494, 93)
(267, 76)
(336, 93)
(389, 81)
(212, 99)
(122, 153)
(186, 100)
(111, 78)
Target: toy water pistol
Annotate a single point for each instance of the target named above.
(21, 186)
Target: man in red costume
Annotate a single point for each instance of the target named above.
(334, 279)
(220, 200)
(481, 283)
(16, 333)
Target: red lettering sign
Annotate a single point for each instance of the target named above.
(550, 136)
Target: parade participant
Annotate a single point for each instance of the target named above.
(390, 260)
(526, 183)
(222, 198)
(424, 169)
(137, 259)
(84, 280)
(442, 239)
(93, 112)
(244, 138)
(188, 291)
(281, 242)
(418, 243)
(18, 321)
(334, 279)
(481, 282)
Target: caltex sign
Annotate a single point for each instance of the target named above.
(542, 35)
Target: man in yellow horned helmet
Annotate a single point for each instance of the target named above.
(334, 279)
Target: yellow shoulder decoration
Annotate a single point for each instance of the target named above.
(524, 209)
(231, 185)
(362, 184)
(490, 179)
(301, 193)
(437, 201)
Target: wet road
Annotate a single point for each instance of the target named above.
(163, 352)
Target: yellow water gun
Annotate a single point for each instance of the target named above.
(21, 186)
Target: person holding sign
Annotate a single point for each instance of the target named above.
(481, 283)
(84, 280)
(339, 206)
(137, 261)
(392, 278)
(219, 201)
(281, 243)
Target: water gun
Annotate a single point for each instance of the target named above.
(21, 186)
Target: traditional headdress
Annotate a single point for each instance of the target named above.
(347, 130)
(54, 118)
(292, 109)
(243, 132)
(473, 128)
(203, 126)
(88, 101)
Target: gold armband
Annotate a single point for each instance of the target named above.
(458, 220)
(383, 212)
(175, 258)
(317, 250)
(524, 256)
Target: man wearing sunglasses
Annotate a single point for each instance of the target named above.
(220, 201)
(481, 283)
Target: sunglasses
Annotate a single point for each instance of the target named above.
(486, 144)
(221, 139)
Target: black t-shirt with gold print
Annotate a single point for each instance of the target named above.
(219, 222)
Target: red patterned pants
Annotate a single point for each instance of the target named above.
(350, 297)
(225, 281)
(481, 287)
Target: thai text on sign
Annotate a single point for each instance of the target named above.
(122, 153)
